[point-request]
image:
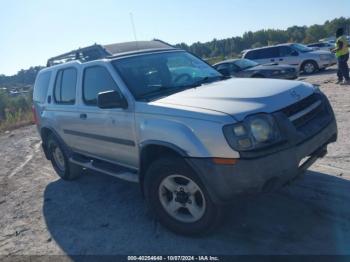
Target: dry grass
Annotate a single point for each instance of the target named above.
(16, 120)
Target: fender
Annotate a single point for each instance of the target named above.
(173, 134)
(177, 149)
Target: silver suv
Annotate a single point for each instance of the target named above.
(153, 114)
(304, 58)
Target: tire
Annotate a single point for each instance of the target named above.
(309, 67)
(58, 155)
(181, 221)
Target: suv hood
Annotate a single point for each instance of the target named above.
(241, 97)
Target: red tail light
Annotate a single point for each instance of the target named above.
(35, 117)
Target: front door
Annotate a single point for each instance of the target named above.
(108, 134)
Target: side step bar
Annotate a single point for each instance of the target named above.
(106, 168)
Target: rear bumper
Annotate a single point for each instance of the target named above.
(251, 176)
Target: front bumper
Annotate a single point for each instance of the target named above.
(250, 176)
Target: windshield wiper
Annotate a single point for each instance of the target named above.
(205, 80)
(160, 90)
(176, 89)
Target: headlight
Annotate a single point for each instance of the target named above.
(254, 132)
(260, 129)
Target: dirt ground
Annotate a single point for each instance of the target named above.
(97, 214)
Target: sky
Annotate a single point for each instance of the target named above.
(33, 31)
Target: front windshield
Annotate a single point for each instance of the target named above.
(245, 63)
(302, 48)
(151, 75)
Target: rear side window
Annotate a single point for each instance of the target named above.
(269, 53)
(262, 53)
(96, 79)
(65, 86)
(41, 86)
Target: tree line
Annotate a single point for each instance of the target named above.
(231, 47)
(22, 78)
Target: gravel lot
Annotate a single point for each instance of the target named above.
(41, 214)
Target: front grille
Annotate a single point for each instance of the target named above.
(301, 105)
(309, 115)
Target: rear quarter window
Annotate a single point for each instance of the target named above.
(250, 55)
(41, 86)
(65, 86)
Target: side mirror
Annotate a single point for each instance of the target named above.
(111, 99)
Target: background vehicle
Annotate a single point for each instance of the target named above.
(249, 68)
(303, 58)
(150, 113)
(322, 46)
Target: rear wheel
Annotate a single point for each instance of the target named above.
(59, 159)
(178, 199)
(309, 67)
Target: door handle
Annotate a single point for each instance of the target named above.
(272, 60)
(83, 116)
(281, 59)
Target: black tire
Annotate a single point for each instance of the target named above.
(309, 64)
(163, 168)
(70, 171)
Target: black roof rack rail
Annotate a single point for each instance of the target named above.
(97, 51)
(85, 54)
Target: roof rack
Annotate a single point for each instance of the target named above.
(97, 51)
(82, 54)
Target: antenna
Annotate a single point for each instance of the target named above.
(133, 25)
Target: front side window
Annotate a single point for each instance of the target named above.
(151, 75)
(65, 86)
(41, 86)
(96, 79)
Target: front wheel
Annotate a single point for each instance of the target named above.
(309, 67)
(178, 198)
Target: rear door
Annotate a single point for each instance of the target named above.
(264, 55)
(108, 134)
(41, 87)
(62, 101)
